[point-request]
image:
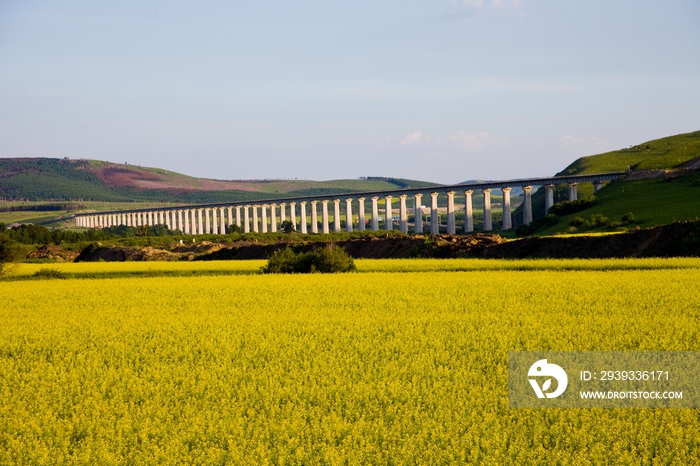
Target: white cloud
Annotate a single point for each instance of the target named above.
(471, 142)
(476, 9)
(413, 138)
(495, 83)
(584, 146)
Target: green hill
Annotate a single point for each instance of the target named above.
(656, 201)
(44, 179)
(659, 154)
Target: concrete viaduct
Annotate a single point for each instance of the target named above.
(262, 216)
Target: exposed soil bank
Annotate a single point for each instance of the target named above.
(678, 239)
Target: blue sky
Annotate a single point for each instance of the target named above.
(442, 91)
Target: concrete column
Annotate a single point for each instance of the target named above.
(246, 219)
(434, 225)
(273, 218)
(468, 214)
(179, 220)
(417, 214)
(255, 218)
(507, 224)
(302, 208)
(264, 218)
(166, 219)
(159, 220)
(314, 217)
(324, 214)
(186, 221)
(527, 205)
(222, 222)
(361, 214)
(375, 214)
(597, 186)
(336, 215)
(230, 216)
(283, 214)
(200, 230)
(388, 222)
(487, 209)
(238, 216)
(403, 215)
(149, 219)
(293, 215)
(548, 197)
(195, 224)
(214, 222)
(451, 228)
(348, 215)
(207, 221)
(572, 192)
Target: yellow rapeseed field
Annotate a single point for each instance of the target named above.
(402, 363)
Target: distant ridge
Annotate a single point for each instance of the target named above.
(41, 179)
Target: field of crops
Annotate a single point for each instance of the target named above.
(404, 362)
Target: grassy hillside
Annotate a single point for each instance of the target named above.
(652, 201)
(91, 180)
(661, 153)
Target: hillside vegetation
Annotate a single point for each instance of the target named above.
(659, 154)
(40, 179)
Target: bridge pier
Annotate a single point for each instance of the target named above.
(375, 214)
(434, 219)
(302, 208)
(572, 191)
(336, 215)
(361, 214)
(417, 214)
(468, 214)
(348, 215)
(487, 209)
(388, 222)
(506, 223)
(403, 215)
(527, 205)
(314, 217)
(324, 216)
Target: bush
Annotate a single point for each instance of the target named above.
(49, 274)
(628, 218)
(597, 220)
(331, 259)
(577, 222)
(10, 253)
(287, 227)
(569, 207)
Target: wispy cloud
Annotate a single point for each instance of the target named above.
(506, 84)
(471, 142)
(413, 138)
(477, 9)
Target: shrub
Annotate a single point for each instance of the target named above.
(569, 207)
(10, 253)
(331, 259)
(628, 218)
(49, 274)
(287, 227)
(597, 220)
(577, 222)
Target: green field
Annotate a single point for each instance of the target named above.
(402, 363)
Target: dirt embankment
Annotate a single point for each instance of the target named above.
(678, 239)
(675, 240)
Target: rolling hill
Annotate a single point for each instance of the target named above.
(661, 188)
(42, 179)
